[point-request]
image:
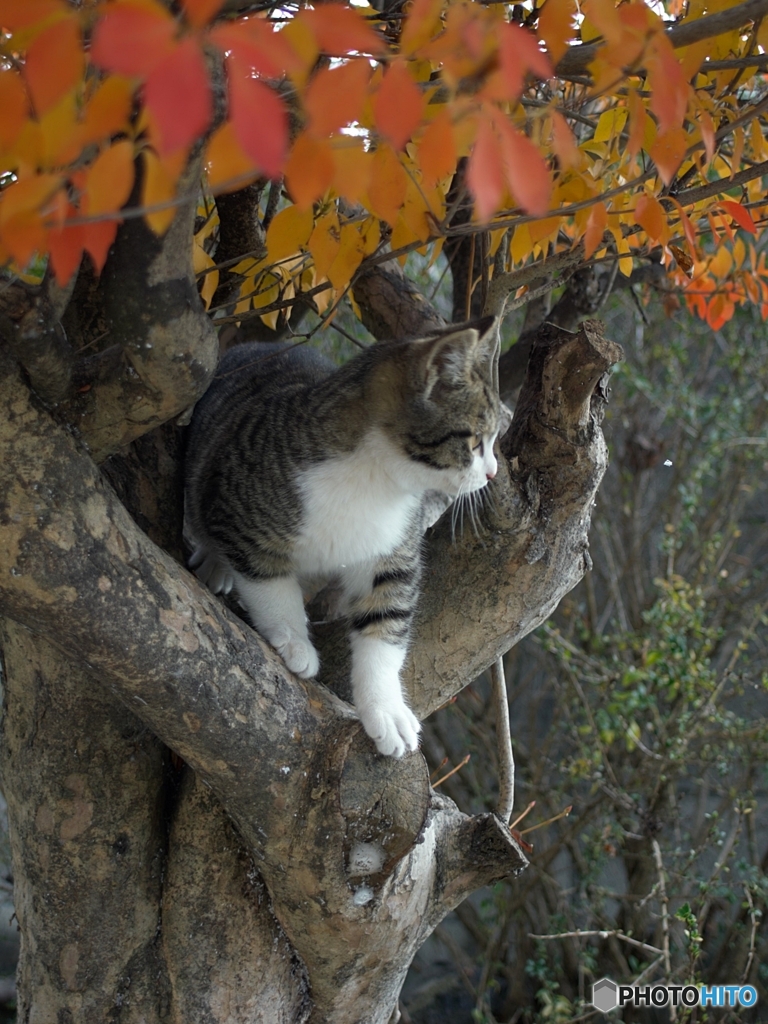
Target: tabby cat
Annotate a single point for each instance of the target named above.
(299, 472)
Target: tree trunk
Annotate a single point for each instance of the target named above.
(289, 873)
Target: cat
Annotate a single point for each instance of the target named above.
(299, 472)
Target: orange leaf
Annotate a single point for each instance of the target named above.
(97, 239)
(485, 176)
(309, 170)
(668, 151)
(157, 187)
(13, 103)
(437, 149)
(256, 46)
(20, 14)
(339, 29)
(61, 133)
(421, 25)
(596, 225)
(740, 215)
(200, 12)
(133, 38)
(227, 166)
(563, 143)
(109, 179)
(688, 229)
(669, 89)
(556, 26)
(389, 183)
(637, 117)
(108, 110)
(65, 247)
(707, 134)
(352, 174)
(650, 215)
(21, 224)
(519, 53)
(178, 96)
(335, 96)
(398, 105)
(54, 63)
(258, 117)
(527, 174)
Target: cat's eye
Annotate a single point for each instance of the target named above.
(476, 444)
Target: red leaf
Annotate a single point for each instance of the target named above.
(257, 46)
(486, 171)
(97, 238)
(54, 64)
(596, 225)
(527, 174)
(258, 117)
(178, 95)
(669, 89)
(340, 30)
(437, 149)
(335, 96)
(519, 53)
(398, 105)
(740, 215)
(132, 39)
(200, 12)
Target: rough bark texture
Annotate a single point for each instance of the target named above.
(254, 855)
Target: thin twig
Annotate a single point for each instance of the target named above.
(664, 916)
(524, 814)
(549, 821)
(451, 772)
(752, 936)
(602, 935)
(504, 753)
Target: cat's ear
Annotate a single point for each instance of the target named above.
(449, 358)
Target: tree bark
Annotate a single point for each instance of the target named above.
(286, 783)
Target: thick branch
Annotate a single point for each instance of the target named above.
(392, 307)
(578, 58)
(164, 346)
(30, 325)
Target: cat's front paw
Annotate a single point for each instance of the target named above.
(393, 729)
(299, 655)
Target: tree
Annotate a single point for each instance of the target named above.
(239, 890)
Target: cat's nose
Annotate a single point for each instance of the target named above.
(490, 476)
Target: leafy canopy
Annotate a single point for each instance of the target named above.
(623, 129)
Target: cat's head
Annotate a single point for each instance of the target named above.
(448, 418)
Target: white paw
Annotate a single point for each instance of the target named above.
(393, 729)
(298, 654)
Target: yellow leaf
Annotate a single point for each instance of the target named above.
(610, 124)
(202, 261)
(348, 258)
(324, 242)
(521, 244)
(109, 179)
(389, 183)
(289, 230)
(721, 263)
(352, 171)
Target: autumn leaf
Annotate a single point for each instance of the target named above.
(108, 110)
(340, 30)
(485, 175)
(178, 96)
(309, 170)
(669, 89)
(227, 166)
(527, 174)
(324, 242)
(421, 25)
(22, 230)
(97, 240)
(398, 105)
(352, 170)
(132, 38)
(563, 143)
(256, 46)
(109, 179)
(519, 54)
(258, 117)
(437, 149)
(157, 187)
(54, 63)
(389, 183)
(335, 96)
(651, 217)
(556, 26)
(740, 215)
(200, 12)
(668, 151)
(596, 225)
(65, 247)
(23, 14)
(288, 232)
(13, 103)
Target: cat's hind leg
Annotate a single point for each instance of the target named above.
(276, 609)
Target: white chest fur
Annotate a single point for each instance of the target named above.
(356, 507)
